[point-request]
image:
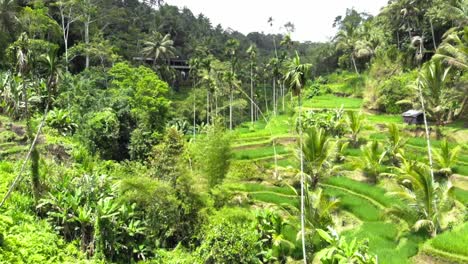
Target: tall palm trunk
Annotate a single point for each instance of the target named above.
(86, 24)
(354, 64)
(433, 36)
(274, 96)
(304, 253)
(208, 107)
(266, 98)
(230, 107)
(251, 94)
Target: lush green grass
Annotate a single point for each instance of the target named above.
(384, 119)
(246, 154)
(454, 241)
(381, 237)
(274, 198)
(461, 195)
(375, 193)
(331, 101)
(256, 187)
(360, 207)
(278, 125)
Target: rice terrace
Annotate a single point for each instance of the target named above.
(149, 131)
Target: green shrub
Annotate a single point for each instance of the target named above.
(228, 242)
(102, 132)
(394, 90)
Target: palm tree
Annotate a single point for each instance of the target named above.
(319, 153)
(372, 155)
(424, 200)
(446, 157)
(454, 49)
(8, 16)
(394, 144)
(432, 81)
(159, 47)
(231, 79)
(54, 71)
(252, 52)
(355, 123)
(274, 64)
(348, 40)
(231, 49)
(296, 78)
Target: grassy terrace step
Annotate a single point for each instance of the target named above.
(372, 192)
(7, 145)
(268, 194)
(249, 154)
(357, 205)
(450, 244)
(13, 150)
(461, 195)
(331, 101)
(383, 242)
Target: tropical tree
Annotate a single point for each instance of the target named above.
(454, 49)
(54, 72)
(319, 152)
(446, 157)
(432, 80)
(8, 16)
(230, 77)
(424, 200)
(355, 123)
(394, 144)
(340, 250)
(159, 47)
(296, 78)
(252, 52)
(371, 160)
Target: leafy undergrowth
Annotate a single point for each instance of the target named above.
(23, 237)
(382, 241)
(451, 244)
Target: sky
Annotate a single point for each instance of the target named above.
(313, 19)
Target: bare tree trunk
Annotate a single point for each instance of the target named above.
(398, 39)
(304, 253)
(266, 98)
(354, 64)
(86, 24)
(433, 37)
(207, 107)
(251, 94)
(283, 90)
(230, 107)
(274, 96)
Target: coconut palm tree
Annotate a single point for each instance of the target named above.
(252, 52)
(371, 160)
(319, 153)
(432, 81)
(446, 157)
(296, 78)
(355, 123)
(454, 49)
(349, 41)
(394, 144)
(424, 200)
(159, 47)
(8, 16)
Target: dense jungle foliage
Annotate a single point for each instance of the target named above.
(134, 131)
